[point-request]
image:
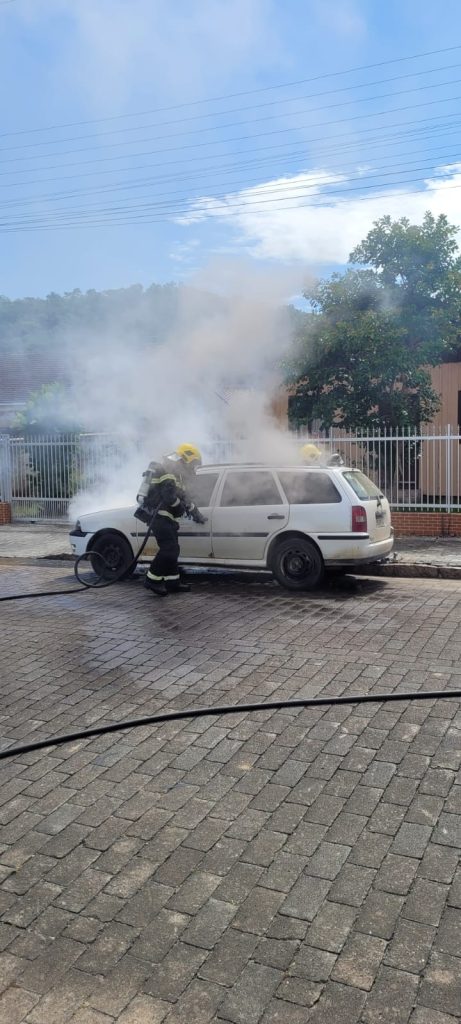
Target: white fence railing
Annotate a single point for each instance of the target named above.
(39, 475)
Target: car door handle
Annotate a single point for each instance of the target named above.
(276, 515)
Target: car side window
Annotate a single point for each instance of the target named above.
(203, 487)
(309, 488)
(251, 488)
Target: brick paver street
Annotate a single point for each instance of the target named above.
(272, 868)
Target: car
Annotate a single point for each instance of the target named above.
(297, 522)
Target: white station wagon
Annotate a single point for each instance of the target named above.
(295, 521)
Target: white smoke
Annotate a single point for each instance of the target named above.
(211, 379)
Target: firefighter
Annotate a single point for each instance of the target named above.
(310, 454)
(184, 463)
(164, 494)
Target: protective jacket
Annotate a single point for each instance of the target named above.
(163, 490)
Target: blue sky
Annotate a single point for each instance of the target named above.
(241, 163)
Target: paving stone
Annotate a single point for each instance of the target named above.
(339, 1003)
(440, 987)
(392, 997)
(358, 963)
(263, 849)
(454, 894)
(379, 914)
(371, 849)
(287, 928)
(277, 953)
(155, 940)
(108, 948)
(396, 874)
(298, 990)
(422, 1015)
(314, 964)
(352, 885)
(331, 927)
(387, 818)
(410, 946)
(168, 979)
(426, 902)
(229, 956)
(411, 840)
(328, 860)
(439, 863)
(448, 831)
(178, 866)
(66, 997)
(15, 1004)
(144, 1010)
(448, 938)
(257, 911)
(281, 1012)
(346, 829)
(250, 995)
(306, 898)
(208, 925)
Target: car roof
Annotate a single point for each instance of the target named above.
(268, 465)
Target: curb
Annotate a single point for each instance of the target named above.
(411, 570)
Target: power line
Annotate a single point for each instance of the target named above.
(406, 130)
(275, 131)
(235, 95)
(256, 189)
(56, 197)
(270, 103)
(224, 207)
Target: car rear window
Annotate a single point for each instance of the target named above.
(363, 487)
(252, 488)
(203, 487)
(309, 488)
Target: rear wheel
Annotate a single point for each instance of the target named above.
(116, 557)
(297, 564)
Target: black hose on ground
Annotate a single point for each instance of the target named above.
(231, 709)
(100, 582)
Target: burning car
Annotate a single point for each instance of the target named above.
(296, 522)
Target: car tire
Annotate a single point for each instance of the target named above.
(297, 564)
(116, 559)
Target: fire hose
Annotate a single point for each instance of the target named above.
(100, 582)
(230, 709)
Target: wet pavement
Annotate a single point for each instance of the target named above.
(282, 866)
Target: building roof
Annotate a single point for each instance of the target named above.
(20, 376)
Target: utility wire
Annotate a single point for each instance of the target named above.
(237, 124)
(277, 188)
(58, 197)
(223, 209)
(430, 128)
(235, 95)
(270, 103)
(403, 126)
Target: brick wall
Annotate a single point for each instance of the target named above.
(5, 513)
(426, 524)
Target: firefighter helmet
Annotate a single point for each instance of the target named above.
(189, 453)
(310, 453)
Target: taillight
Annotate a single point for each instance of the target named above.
(359, 519)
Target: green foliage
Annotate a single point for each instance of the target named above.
(46, 411)
(361, 361)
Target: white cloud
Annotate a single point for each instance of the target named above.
(295, 218)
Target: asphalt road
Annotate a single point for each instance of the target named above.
(273, 868)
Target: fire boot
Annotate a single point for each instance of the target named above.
(156, 586)
(177, 587)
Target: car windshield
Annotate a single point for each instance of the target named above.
(364, 488)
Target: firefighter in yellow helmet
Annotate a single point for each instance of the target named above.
(311, 455)
(167, 493)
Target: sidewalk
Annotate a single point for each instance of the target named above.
(429, 558)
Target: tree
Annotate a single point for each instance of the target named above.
(373, 332)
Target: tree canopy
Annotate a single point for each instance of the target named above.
(362, 359)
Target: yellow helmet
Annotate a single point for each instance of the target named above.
(189, 453)
(310, 453)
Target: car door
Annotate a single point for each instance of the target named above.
(195, 538)
(249, 509)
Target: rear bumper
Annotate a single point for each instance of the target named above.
(367, 556)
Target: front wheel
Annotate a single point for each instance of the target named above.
(117, 557)
(297, 564)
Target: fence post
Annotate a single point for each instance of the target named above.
(448, 494)
(6, 483)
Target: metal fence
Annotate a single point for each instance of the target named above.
(39, 475)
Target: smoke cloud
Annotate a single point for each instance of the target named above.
(211, 378)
